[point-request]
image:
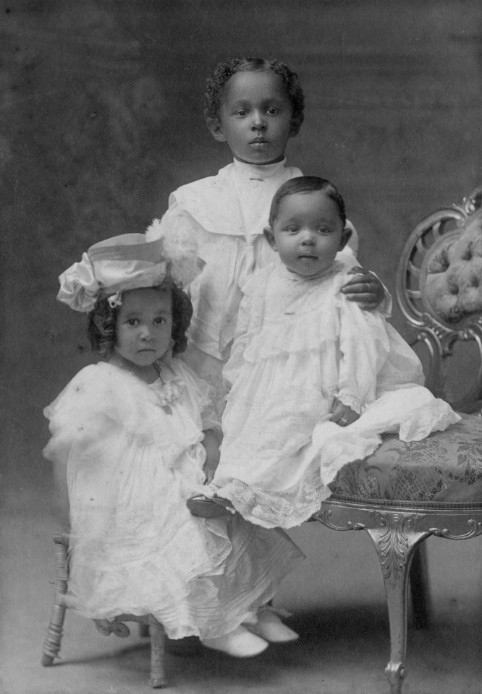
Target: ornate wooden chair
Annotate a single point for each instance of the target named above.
(117, 626)
(407, 492)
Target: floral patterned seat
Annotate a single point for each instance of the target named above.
(407, 492)
(445, 467)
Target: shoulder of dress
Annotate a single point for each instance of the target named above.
(91, 372)
(212, 202)
(104, 376)
(258, 280)
(201, 185)
(293, 171)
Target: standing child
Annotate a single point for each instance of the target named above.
(315, 380)
(255, 106)
(134, 432)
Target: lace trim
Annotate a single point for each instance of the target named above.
(286, 510)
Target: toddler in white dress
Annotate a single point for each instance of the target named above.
(134, 432)
(314, 380)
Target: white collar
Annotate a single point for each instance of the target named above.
(334, 269)
(258, 172)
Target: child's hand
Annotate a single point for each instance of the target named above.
(342, 414)
(365, 288)
(211, 443)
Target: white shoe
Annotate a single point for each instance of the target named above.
(270, 627)
(239, 643)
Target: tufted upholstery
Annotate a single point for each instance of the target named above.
(445, 467)
(454, 272)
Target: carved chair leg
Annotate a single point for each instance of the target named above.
(395, 542)
(419, 588)
(158, 676)
(51, 645)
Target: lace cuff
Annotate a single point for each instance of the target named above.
(350, 400)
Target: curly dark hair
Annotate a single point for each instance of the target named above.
(306, 184)
(103, 319)
(223, 71)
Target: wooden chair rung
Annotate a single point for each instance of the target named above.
(53, 638)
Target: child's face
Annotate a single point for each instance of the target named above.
(144, 326)
(307, 232)
(255, 117)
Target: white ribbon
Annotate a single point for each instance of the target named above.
(78, 287)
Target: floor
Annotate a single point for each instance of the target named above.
(337, 604)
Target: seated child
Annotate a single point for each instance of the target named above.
(132, 432)
(314, 379)
(255, 106)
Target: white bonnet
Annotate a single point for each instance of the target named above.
(129, 261)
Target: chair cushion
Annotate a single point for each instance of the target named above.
(445, 467)
(453, 272)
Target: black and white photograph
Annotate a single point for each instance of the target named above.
(241, 346)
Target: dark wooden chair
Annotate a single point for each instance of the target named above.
(407, 492)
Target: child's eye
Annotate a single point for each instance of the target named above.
(292, 228)
(159, 321)
(324, 230)
(133, 322)
(241, 112)
(273, 111)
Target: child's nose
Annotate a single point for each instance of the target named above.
(146, 333)
(307, 237)
(258, 122)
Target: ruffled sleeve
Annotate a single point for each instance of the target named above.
(97, 431)
(81, 413)
(97, 415)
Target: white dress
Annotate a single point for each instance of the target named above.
(301, 343)
(228, 213)
(134, 455)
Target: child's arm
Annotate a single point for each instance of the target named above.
(211, 443)
(365, 288)
(204, 396)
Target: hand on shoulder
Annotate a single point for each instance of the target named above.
(364, 288)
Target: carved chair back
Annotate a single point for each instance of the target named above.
(439, 291)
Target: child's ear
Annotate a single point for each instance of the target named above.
(215, 128)
(296, 123)
(269, 236)
(345, 237)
